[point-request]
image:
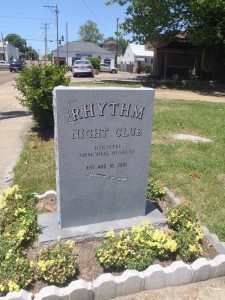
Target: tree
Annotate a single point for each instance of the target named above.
(202, 20)
(90, 33)
(15, 40)
(20, 43)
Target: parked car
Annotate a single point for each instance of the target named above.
(16, 65)
(4, 65)
(82, 67)
(107, 68)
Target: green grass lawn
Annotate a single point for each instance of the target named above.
(172, 161)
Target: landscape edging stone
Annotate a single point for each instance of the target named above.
(107, 286)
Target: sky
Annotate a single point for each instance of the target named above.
(27, 18)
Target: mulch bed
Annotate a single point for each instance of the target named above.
(89, 267)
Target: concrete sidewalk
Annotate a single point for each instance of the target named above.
(14, 124)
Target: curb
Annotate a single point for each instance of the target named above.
(108, 286)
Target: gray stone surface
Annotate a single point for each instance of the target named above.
(154, 277)
(201, 270)
(133, 282)
(50, 228)
(103, 138)
(220, 262)
(48, 293)
(79, 289)
(191, 138)
(21, 295)
(104, 287)
(178, 273)
(220, 247)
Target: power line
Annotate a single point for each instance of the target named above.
(21, 18)
(96, 16)
(54, 10)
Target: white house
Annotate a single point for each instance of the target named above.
(79, 49)
(136, 54)
(7, 51)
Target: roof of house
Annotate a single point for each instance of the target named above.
(83, 47)
(139, 50)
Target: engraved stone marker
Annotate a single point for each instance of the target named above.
(102, 138)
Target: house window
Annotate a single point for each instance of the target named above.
(107, 61)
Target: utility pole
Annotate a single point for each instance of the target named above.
(46, 39)
(117, 40)
(54, 10)
(67, 51)
(3, 45)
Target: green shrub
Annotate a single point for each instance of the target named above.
(189, 234)
(36, 85)
(140, 69)
(16, 273)
(155, 190)
(18, 219)
(135, 249)
(56, 264)
(18, 230)
(95, 61)
(147, 68)
(181, 216)
(189, 244)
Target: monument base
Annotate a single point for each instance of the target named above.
(50, 229)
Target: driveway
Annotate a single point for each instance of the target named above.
(14, 123)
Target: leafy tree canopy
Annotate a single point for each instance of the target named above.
(204, 20)
(20, 43)
(15, 40)
(89, 32)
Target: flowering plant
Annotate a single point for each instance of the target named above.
(189, 234)
(57, 263)
(18, 229)
(136, 248)
(155, 190)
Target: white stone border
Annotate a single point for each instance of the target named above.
(107, 286)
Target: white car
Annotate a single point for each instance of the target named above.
(82, 67)
(107, 68)
(4, 64)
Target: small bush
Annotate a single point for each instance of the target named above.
(36, 85)
(148, 69)
(18, 217)
(140, 69)
(155, 190)
(95, 61)
(18, 230)
(16, 273)
(189, 235)
(135, 249)
(56, 264)
(179, 217)
(189, 244)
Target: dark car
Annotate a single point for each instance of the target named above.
(16, 65)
